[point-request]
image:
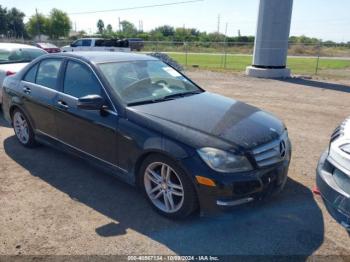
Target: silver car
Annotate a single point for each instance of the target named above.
(14, 57)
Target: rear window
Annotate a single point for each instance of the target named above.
(20, 55)
(46, 45)
(48, 73)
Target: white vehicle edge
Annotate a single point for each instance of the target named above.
(89, 44)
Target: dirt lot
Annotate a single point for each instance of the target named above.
(52, 203)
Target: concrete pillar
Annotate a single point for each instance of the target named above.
(271, 41)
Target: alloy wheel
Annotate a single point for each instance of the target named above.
(164, 187)
(21, 127)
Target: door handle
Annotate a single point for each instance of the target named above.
(62, 104)
(27, 90)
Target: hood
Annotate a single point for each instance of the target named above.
(208, 119)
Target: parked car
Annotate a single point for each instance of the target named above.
(98, 44)
(13, 57)
(152, 127)
(136, 44)
(333, 175)
(48, 47)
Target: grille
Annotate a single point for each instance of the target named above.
(271, 153)
(339, 131)
(336, 133)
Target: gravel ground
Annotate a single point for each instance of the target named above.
(53, 203)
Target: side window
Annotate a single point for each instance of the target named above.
(48, 72)
(87, 42)
(77, 43)
(31, 74)
(80, 81)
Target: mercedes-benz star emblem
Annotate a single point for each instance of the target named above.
(282, 149)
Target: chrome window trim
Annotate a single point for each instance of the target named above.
(82, 151)
(98, 79)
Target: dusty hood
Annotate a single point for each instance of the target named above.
(205, 118)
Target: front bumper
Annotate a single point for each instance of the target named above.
(336, 199)
(236, 189)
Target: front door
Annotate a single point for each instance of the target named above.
(91, 131)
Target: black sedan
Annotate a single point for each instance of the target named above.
(150, 125)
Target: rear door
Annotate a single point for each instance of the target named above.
(39, 89)
(92, 132)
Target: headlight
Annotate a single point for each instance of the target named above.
(345, 148)
(223, 161)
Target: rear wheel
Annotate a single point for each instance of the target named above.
(167, 187)
(23, 130)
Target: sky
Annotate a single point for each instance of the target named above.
(323, 19)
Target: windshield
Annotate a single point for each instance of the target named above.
(146, 81)
(19, 55)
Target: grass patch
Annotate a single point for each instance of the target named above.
(299, 65)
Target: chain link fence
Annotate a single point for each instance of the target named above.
(326, 61)
(322, 60)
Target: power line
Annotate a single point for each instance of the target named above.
(136, 7)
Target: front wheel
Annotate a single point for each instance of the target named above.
(167, 187)
(23, 130)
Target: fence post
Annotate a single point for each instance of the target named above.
(225, 50)
(318, 57)
(186, 54)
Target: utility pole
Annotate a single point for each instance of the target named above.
(37, 24)
(225, 46)
(119, 23)
(218, 29)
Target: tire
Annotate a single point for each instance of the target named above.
(23, 129)
(178, 187)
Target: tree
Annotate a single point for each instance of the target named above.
(3, 20)
(109, 29)
(38, 24)
(128, 28)
(100, 26)
(59, 24)
(165, 30)
(15, 23)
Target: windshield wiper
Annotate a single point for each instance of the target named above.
(164, 98)
(150, 101)
(182, 94)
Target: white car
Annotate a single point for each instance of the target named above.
(14, 57)
(98, 44)
(333, 175)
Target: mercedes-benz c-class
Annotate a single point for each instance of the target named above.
(187, 149)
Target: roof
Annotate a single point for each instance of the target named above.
(15, 46)
(107, 56)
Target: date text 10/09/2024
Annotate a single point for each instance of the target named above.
(173, 258)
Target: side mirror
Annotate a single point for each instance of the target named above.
(91, 102)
